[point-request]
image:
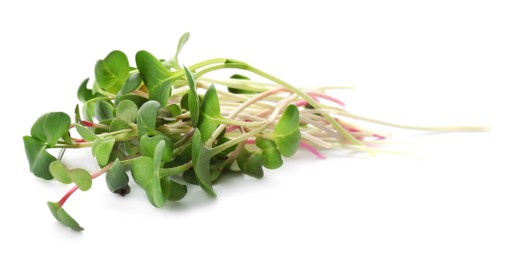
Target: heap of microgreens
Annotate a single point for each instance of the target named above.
(167, 128)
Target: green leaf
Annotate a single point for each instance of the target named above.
(118, 124)
(201, 163)
(286, 134)
(60, 172)
(62, 216)
(88, 110)
(102, 149)
(250, 163)
(78, 118)
(138, 100)
(192, 98)
(66, 138)
(174, 61)
(84, 94)
(147, 118)
(146, 176)
(190, 177)
(174, 110)
(39, 159)
(50, 127)
(149, 144)
(111, 73)
(156, 77)
(178, 191)
(81, 178)
(86, 133)
(210, 113)
(116, 177)
(240, 91)
(127, 111)
(133, 82)
(103, 110)
(271, 155)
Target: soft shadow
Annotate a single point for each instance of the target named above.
(196, 197)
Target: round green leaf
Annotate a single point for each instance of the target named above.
(111, 73)
(250, 163)
(60, 172)
(81, 178)
(39, 159)
(155, 76)
(127, 111)
(147, 117)
(118, 124)
(50, 127)
(149, 144)
(102, 149)
(271, 155)
(133, 82)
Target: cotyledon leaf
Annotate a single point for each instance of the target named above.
(201, 163)
(147, 117)
(156, 77)
(63, 217)
(50, 127)
(210, 113)
(111, 73)
(39, 159)
(286, 134)
(192, 98)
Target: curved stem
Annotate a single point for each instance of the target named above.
(74, 188)
(345, 134)
(167, 172)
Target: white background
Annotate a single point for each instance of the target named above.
(430, 62)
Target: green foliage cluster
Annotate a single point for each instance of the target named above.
(157, 125)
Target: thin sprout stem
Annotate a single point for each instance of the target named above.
(74, 188)
(168, 172)
(346, 135)
(255, 131)
(221, 127)
(317, 141)
(423, 128)
(238, 84)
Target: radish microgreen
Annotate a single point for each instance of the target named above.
(166, 126)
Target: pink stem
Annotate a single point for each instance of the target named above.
(74, 188)
(78, 140)
(327, 97)
(232, 128)
(65, 198)
(379, 137)
(300, 103)
(87, 123)
(312, 150)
